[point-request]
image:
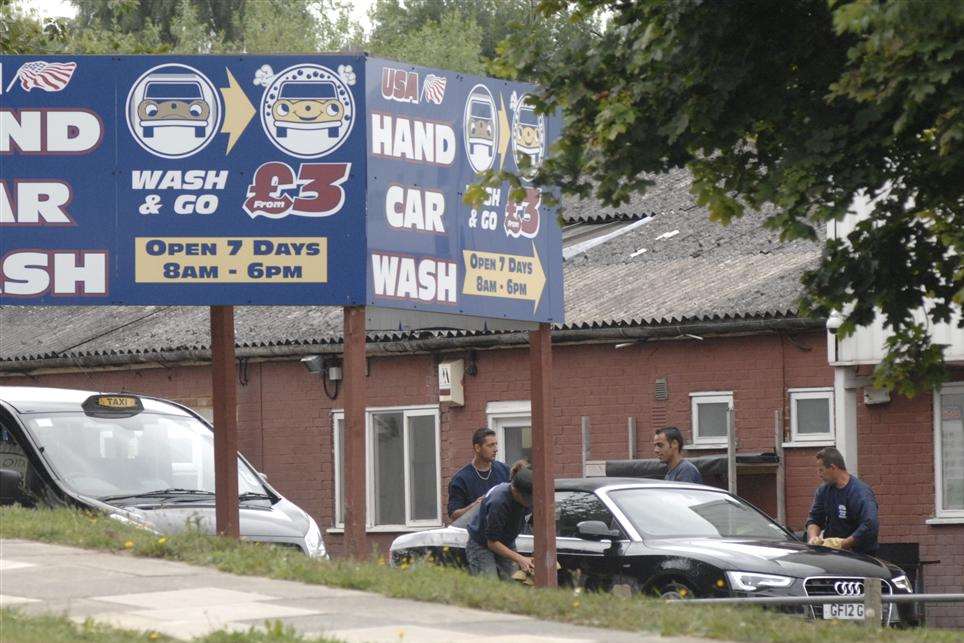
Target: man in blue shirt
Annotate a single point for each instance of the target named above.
(490, 549)
(474, 480)
(843, 507)
(668, 447)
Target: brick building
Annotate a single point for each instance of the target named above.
(670, 319)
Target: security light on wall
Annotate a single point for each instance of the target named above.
(313, 363)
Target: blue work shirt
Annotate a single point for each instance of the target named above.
(467, 485)
(851, 511)
(685, 471)
(499, 518)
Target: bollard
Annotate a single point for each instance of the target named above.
(873, 608)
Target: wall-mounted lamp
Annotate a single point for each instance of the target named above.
(329, 368)
(313, 363)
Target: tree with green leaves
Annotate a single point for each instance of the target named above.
(183, 27)
(461, 35)
(805, 108)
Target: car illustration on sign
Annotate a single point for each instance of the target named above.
(307, 106)
(173, 111)
(481, 129)
(528, 136)
(173, 100)
(312, 100)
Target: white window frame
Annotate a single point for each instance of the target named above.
(822, 393)
(407, 412)
(503, 415)
(708, 397)
(956, 515)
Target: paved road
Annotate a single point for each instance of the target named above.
(185, 601)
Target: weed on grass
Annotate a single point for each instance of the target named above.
(427, 582)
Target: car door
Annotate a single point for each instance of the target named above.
(578, 557)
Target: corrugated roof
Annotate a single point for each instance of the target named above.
(678, 266)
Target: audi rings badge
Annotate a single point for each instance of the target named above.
(848, 588)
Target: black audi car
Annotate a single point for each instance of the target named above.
(678, 540)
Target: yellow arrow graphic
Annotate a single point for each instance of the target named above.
(505, 276)
(238, 111)
(504, 132)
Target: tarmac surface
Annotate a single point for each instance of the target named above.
(184, 601)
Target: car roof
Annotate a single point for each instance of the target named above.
(39, 399)
(592, 484)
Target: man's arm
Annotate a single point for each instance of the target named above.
(458, 512)
(524, 562)
(459, 502)
(815, 521)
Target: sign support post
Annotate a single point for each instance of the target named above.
(543, 492)
(354, 431)
(225, 421)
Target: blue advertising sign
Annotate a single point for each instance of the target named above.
(298, 180)
(430, 134)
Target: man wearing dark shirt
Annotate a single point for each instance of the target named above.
(490, 549)
(843, 507)
(668, 447)
(474, 480)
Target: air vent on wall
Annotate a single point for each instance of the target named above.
(662, 389)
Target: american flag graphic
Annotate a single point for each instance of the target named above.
(434, 88)
(50, 77)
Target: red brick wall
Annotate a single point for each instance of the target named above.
(285, 425)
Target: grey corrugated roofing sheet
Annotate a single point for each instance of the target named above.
(678, 266)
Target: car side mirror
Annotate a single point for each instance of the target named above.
(263, 476)
(596, 530)
(10, 487)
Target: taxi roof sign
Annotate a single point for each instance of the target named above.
(112, 404)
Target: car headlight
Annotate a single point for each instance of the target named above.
(902, 583)
(314, 541)
(751, 582)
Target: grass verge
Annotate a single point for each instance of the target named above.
(435, 584)
(17, 627)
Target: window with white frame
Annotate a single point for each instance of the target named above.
(403, 475)
(949, 450)
(512, 423)
(811, 414)
(710, 416)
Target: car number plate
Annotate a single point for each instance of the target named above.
(846, 611)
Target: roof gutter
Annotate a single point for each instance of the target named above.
(182, 357)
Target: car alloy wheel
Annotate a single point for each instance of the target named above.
(675, 591)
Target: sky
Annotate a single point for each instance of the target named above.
(59, 8)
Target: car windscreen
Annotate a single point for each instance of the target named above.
(175, 91)
(481, 109)
(693, 513)
(528, 117)
(118, 456)
(307, 90)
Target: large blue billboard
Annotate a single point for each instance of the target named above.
(297, 180)
(431, 133)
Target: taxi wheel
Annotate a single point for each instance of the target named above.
(198, 132)
(282, 132)
(675, 590)
(148, 132)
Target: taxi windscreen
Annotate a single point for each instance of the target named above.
(114, 456)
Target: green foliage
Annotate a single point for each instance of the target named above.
(425, 581)
(804, 109)
(452, 42)
(461, 35)
(182, 27)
